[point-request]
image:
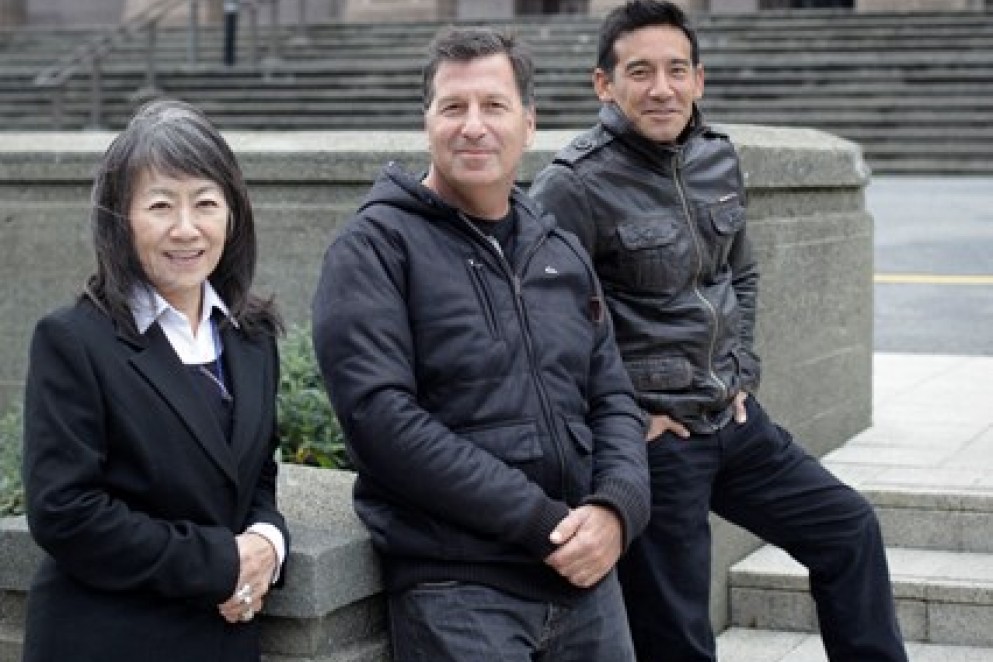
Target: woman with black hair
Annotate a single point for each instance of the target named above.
(150, 424)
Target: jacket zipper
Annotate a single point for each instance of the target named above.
(709, 307)
(546, 405)
(522, 317)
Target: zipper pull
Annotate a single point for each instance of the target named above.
(596, 309)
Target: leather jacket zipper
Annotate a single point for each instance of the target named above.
(708, 306)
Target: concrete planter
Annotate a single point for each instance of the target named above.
(330, 609)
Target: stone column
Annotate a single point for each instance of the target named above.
(13, 12)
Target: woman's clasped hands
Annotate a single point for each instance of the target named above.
(258, 561)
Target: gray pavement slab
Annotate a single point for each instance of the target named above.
(932, 427)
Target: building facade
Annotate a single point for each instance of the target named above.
(108, 12)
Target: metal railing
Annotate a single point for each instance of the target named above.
(92, 55)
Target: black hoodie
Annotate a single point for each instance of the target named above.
(481, 397)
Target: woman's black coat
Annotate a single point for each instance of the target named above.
(136, 495)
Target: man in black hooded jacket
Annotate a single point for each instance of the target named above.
(473, 367)
(656, 196)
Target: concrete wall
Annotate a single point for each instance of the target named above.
(807, 217)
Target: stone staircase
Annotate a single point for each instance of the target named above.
(931, 486)
(914, 89)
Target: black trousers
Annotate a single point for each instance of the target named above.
(755, 476)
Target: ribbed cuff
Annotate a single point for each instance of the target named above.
(537, 531)
(631, 502)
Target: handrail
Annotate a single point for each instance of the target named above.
(56, 76)
(65, 67)
(92, 53)
(253, 7)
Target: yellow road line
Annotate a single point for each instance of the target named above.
(934, 279)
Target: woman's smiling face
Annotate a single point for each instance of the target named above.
(179, 226)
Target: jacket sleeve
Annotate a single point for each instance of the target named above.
(560, 193)
(92, 535)
(620, 463)
(364, 345)
(264, 508)
(745, 281)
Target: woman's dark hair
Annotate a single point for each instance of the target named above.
(466, 44)
(637, 14)
(175, 139)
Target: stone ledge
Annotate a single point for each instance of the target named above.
(803, 158)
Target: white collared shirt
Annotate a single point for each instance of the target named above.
(148, 307)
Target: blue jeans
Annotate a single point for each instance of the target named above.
(755, 476)
(459, 622)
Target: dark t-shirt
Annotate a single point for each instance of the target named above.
(503, 230)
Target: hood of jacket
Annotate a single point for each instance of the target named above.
(399, 188)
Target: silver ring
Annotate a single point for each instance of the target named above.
(247, 616)
(247, 600)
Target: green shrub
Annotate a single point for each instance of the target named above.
(11, 489)
(308, 430)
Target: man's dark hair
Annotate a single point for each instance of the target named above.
(637, 14)
(176, 139)
(466, 44)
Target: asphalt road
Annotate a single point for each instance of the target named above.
(933, 264)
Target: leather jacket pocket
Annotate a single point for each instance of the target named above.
(672, 373)
(727, 219)
(653, 251)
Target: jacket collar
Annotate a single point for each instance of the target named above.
(147, 305)
(156, 361)
(406, 191)
(615, 122)
(159, 365)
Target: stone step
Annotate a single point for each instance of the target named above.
(913, 100)
(747, 645)
(942, 597)
(869, 77)
(958, 520)
(862, 87)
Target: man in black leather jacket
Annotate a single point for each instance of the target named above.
(472, 364)
(656, 196)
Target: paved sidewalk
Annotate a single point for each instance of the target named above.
(932, 426)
